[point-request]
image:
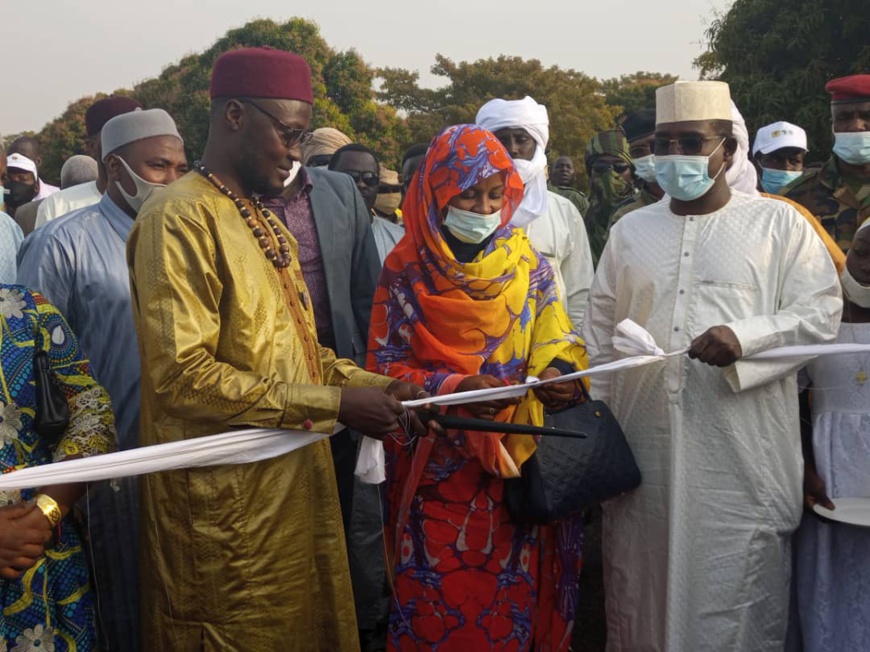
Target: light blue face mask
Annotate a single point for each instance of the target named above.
(775, 180)
(645, 168)
(471, 227)
(686, 177)
(853, 147)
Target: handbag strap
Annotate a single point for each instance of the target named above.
(418, 465)
(584, 393)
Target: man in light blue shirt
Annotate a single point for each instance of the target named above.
(10, 241)
(79, 263)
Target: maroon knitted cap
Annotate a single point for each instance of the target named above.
(262, 72)
(101, 111)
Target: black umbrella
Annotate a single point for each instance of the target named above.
(451, 422)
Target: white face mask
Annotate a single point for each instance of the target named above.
(143, 188)
(853, 290)
(853, 147)
(645, 167)
(471, 227)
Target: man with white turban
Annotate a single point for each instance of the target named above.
(698, 557)
(79, 263)
(552, 223)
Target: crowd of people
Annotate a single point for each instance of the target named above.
(287, 279)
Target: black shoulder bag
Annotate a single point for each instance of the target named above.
(565, 475)
(52, 408)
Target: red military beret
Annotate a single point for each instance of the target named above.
(101, 111)
(262, 72)
(854, 88)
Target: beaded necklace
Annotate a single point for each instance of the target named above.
(281, 258)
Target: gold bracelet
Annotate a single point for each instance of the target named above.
(50, 508)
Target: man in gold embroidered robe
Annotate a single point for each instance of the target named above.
(249, 556)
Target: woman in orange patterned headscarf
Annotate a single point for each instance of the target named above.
(464, 303)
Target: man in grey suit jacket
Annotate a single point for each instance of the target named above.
(327, 216)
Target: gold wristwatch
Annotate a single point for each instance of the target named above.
(50, 508)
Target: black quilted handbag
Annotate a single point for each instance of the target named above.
(568, 474)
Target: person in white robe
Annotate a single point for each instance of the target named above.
(553, 224)
(698, 558)
(832, 564)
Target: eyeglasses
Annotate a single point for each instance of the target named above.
(601, 167)
(689, 145)
(289, 136)
(369, 178)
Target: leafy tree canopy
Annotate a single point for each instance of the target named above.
(575, 101)
(777, 57)
(635, 92)
(343, 93)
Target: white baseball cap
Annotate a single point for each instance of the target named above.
(779, 135)
(20, 162)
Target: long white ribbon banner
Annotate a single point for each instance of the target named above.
(244, 446)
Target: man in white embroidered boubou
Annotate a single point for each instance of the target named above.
(698, 557)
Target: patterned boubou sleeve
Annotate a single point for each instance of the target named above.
(91, 429)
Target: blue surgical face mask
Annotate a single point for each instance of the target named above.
(853, 147)
(686, 177)
(645, 168)
(775, 180)
(471, 227)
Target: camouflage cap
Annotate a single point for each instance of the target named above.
(607, 142)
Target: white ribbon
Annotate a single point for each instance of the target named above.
(235, 447)
(245, 446)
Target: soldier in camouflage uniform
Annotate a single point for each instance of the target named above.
(611, 183)
(561, 178)
(640, 131)
(838, 192)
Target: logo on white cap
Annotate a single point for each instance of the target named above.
(778, 136)
(20, 162)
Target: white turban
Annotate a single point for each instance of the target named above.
(531, 116)
(741, 176)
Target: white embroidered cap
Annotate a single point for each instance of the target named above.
(686, 101)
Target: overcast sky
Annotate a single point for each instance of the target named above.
(60, 50)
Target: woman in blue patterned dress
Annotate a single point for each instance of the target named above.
(46, 602)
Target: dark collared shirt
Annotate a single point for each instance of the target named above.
(298, 217)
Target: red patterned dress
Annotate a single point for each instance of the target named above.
(465, 576)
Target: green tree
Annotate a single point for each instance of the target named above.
(575, 103)
(65, 136)
(342, 83)
(777, 57)
(634, 92)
